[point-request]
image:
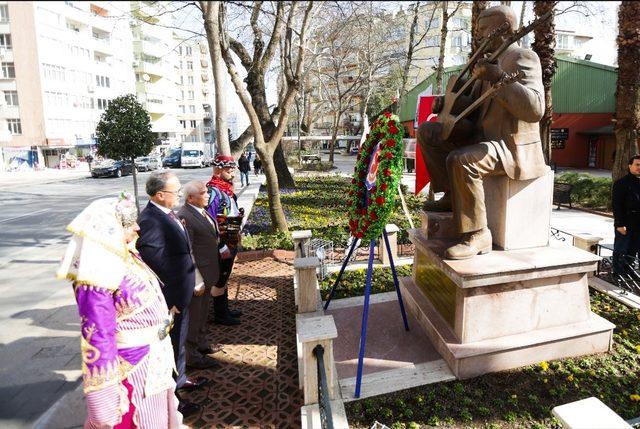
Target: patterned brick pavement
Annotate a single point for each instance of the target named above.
(256, 385)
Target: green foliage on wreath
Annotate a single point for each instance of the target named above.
(367, 221)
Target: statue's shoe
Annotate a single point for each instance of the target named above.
(442, 205)
(477, 242)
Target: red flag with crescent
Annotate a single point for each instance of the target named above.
(424, 114)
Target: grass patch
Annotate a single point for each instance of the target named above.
(524, 397)
(588, 191)
(318, 204)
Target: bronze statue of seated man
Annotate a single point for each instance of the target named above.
(503, 139)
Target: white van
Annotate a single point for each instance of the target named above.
(194, 155)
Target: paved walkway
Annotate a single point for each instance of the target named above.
(257, 383)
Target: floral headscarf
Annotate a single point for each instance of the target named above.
(97, 251)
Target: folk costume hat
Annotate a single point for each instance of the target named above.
(224, 161)
(97, 250)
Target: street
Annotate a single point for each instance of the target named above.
(39, 346)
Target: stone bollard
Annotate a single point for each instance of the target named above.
(307, 284)
(311, 332)
(588, 242)
(392, 232)
(300, 241)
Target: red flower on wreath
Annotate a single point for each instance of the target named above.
(387, 114)
(373, 215)
(393, 130)
(388, 155)
(380, 201)
(384, 187)
(391, 143)
(387, 172)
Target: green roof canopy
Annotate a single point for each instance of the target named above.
(578, 87)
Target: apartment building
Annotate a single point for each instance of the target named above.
(154, 62)
(194, 78)
(61, 64)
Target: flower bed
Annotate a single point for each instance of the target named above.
(352, 282)
(524, 397)
(318, 203)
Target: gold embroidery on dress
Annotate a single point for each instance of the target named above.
(90, 354)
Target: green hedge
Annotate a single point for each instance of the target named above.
(587, 190)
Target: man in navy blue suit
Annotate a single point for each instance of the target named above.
(164, 246)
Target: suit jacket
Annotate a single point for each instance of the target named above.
(165, 247)
(512, 116)
(204, 243)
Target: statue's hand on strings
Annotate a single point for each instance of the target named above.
(485, 70)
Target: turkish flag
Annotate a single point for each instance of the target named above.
(423, 114)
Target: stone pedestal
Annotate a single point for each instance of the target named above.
(505, 309)
(519, 211)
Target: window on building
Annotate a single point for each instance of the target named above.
(192, 109)
(11, 97)
(183, 123)
(182, 94)
(182, 110)
(191, 95)
(189, 65)
(4, 13)
(181, 80)
(190, 80)
(563, 41)
(456, 41)
(432, 41)
(14, 126)
(193, 124)
(180, 64)
(188, 49)
(458, 23)
(5, 41)
(435, 23)
(8, 70)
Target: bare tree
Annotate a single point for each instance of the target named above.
(446, 15)
(627, 116)
(211, 15)
(289, 23)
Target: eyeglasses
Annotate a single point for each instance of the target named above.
(178, 192)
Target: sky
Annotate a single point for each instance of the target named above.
(600, 23)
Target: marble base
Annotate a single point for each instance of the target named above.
(505, 309)
(519, 211)
(512, 351)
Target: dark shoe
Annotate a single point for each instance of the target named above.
(442, 205)
(194, 383)
(235, 313)
(226, 321)
(204, 362)
(211, 349)
(188, 408)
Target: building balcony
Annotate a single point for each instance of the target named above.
(149, 48)
(101, 45)
(157, 106)
(156, 69)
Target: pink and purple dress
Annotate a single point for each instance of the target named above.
(127, 358)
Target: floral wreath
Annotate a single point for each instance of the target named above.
(373, 190)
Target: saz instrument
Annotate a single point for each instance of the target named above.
(453, 112)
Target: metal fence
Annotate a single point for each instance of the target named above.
(324, 404)
(622, 271)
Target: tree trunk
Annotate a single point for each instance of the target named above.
(443, 45)
(334, 134)
(544, 45)
(627, 116)
(410, 48)
(278, 219)
(135, 185)
(211, 16)
(476, 9)
(285, 179)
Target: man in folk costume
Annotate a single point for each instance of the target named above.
(223, 207)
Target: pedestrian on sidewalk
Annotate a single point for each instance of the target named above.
(625, 200)
(127, 361)
(207, 252)
(223, 207)
(245, 167)
(257, 165)
(164, 246)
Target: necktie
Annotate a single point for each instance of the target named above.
(173, 216)
(209, 219)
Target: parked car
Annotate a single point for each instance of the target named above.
(111, 168)
(148, 163)
(173, 160)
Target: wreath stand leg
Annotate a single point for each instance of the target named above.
(365, 314)
(395, 280)
(344, 265)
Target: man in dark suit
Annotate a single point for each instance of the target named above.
(203, 234)
(625, 200)
(164, 246)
